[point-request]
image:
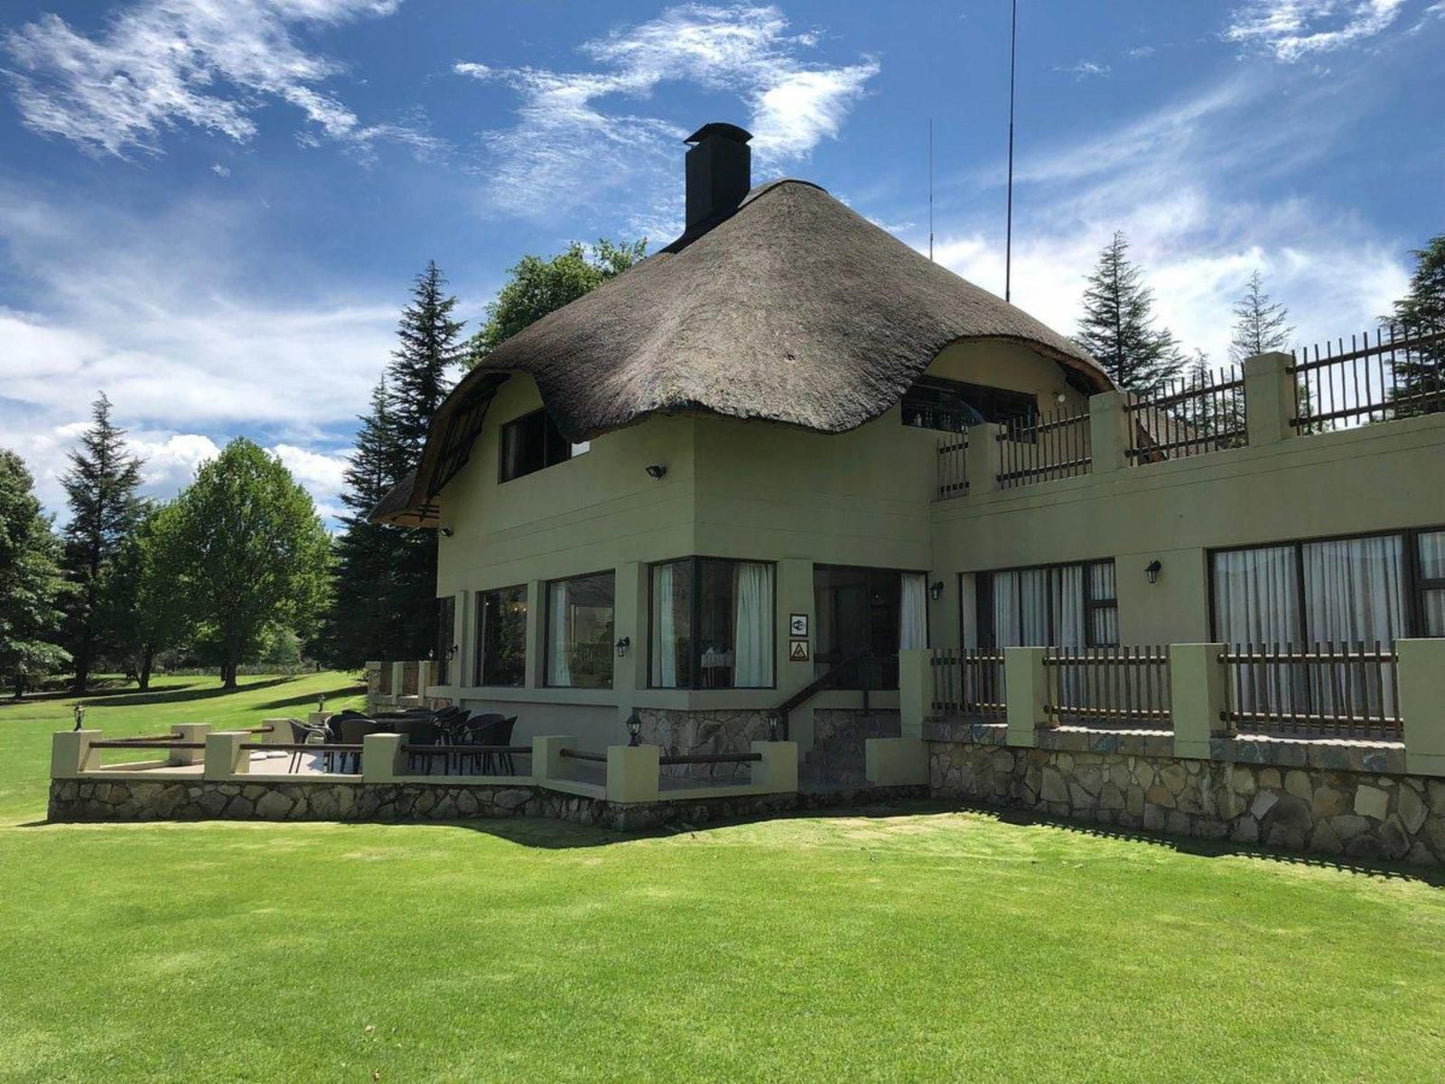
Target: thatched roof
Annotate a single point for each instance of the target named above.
(793, 309)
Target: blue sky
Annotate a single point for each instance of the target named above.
(212, 210)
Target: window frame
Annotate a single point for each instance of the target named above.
(547, 424)
(446, 657)
(815, 638)
(479, 671)
(547, 630)
(983, 399)
(1416, 584)
(694, 614)
(983, 592)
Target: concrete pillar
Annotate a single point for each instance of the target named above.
(382, 759)
(1269, 398)
(71, 754)
(426, 676)
(915, 690)
(795, 596)
(398, 677)
(985, 458)
(629, 672)
(1026, 689)
(1199, 696)
(226, 755)
(547, 760)
(1109, 432)
(1422, 704)
(777, 772)
(895, 762)
(536, 661)
(189, 732)
(632, 773)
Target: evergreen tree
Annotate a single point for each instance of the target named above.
(141, 606)
(420, 373)
(100, 486)
(1420, 371)
(1261, 324)
(1118, 324)
(32, 588)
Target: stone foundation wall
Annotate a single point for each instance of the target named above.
(1361, 814)
(154, 800)
(839, 742)
(696, 733)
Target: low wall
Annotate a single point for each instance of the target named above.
(699, 733)
(193, 799)
(1327, 798)
(840, 739)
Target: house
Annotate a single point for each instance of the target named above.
(739, 478)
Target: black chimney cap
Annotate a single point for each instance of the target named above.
(720, 128)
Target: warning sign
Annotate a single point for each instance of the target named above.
(798, 650)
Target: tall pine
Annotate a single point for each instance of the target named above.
(1420, 371)
(101, 490)
(1118, 329)
(32, 589)
(1261, 324)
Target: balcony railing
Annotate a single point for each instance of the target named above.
(1400, 374)
(1041, 449)
(1202, 412)
(1110, 686)
(968, 683)
(1330, 690)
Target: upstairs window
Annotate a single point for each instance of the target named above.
(533, 442)
(953, 406)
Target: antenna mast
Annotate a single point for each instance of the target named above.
(1009, 226)
(930, 189)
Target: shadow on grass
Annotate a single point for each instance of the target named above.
(178, 694)
(92, 693)
(310, 698)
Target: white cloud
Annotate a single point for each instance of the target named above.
(1087, 69)
(220, 170)
(161, 64)
(1293, 29)
(571, 140)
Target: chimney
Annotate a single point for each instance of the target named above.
(719, 172)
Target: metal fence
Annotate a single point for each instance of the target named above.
(1328, 690)
(953, 465)
(1401, 373)
(968, 683)
(1113, 686)
(1192, 415)
(1043, 448)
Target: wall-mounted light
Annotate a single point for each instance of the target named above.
(446, 532)
(634, 729)
(1060, 398)
(622, 645)
(935, 590)
(1152, 570)
(655, 471)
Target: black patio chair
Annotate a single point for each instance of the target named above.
(353, 732)
(420, 732)
(300, 735)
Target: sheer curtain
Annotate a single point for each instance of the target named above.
(1354, 592)
(664, 621)
(559, 669)
(1256, 601)
(1068, 600)
(913, 612)
(1033, 607)
(753, 650)
(1007, 629)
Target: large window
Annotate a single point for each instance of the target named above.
(864, 617)
(954, 406)
(532, 442)
(711, 624)
(1070, 605)
(502, 636)
(446, 634)
(579, 631)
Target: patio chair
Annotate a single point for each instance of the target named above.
(353, 732)
(420, 732)
(302, 734)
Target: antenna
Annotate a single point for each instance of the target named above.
(930, 189)
(1008, 245)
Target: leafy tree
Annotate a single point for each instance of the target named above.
(248, 551)
(100, 487)
(1118, 324)
(1261, 324)
(32, 588)
(537, 287)
(141, 606)
(1420, 371)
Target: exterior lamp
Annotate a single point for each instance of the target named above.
(773, 722)
(634, 729)
(622, 645)
(79, 716)
(1152, 570)
(935, 590)
(655, 471)
(446, 532)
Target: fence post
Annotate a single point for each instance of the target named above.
(189, 732)
(1269, 398)
(71, 754)
(226, 755)
(777, 772)
(1026, 690)
(381, 757)
(1109, 432)
(915, 690)
(632, 773)
(1421, 678)
(1199, 696)
(985, 458)
(547, 762)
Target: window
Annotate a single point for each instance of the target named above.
(1430, 558)
(502, 637)
(579, 631)
(446, 636)
(1048, 606)
(533, 442)
(711, 624)
(864, 617)
(953, 406)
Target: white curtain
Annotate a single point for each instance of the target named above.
(1256, 596)
(1068, 592)
(664, 626)
(753, 650)
(1354, 592)
(559, 622)
(1034, 607)
(1104, 620)
(913, 612)
(1006, 629)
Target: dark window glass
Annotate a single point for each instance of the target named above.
(953, 406)
(502, 637)
(533, 442)
(859, 614)
(712, 623)
(1070, 605)
(579, 631)
(446, 637)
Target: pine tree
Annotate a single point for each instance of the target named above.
(1118, 324)
(1261, 324)
(1420, 371)
(32, 588)
(101, 488)
(421, 368)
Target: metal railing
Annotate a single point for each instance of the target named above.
(1109, 686)
(1400, 374)
(969, 683)
(953, 465)
(1192, 415)
(1044, 448)
(1330, 690)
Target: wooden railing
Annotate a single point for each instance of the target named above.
(1109, 686)
(1335, 690)
(1044, 448)
(1401, 373)
(953, 465)
(1199, 413)
(968, 683)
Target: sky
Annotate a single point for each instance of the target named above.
(213, 210)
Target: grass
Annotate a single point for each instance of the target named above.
(900, 945)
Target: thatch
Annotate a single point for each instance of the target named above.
(795, 309)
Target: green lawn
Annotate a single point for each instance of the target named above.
(896, 945)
